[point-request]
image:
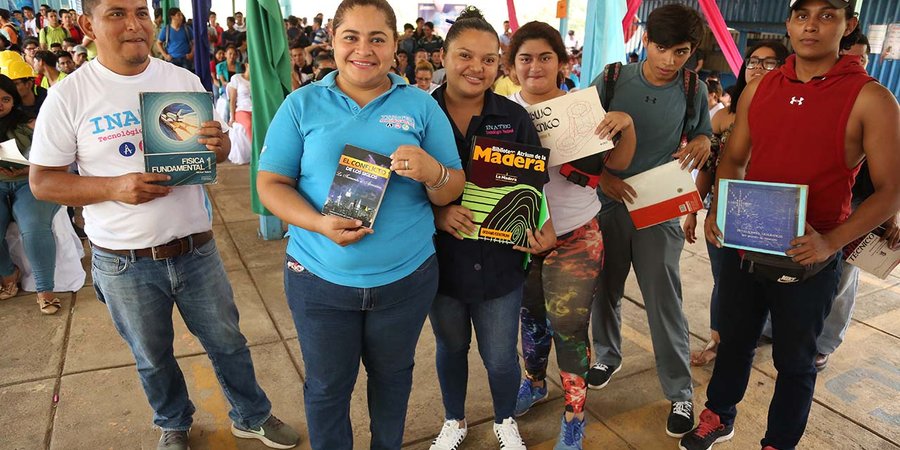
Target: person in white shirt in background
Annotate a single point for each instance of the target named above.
(714, 96)
(571, 42)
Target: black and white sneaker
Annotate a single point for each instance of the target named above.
(681, 419)
(600, 374)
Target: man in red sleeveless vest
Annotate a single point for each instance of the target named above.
(811, 122)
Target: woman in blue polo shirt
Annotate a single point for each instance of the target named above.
(356, 292)
(480, 282)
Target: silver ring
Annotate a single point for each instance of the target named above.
(407, 163)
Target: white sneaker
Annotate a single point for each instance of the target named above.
(450, 437)
(508, 435)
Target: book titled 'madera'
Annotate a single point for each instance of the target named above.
(171, 130)
(358, 186)
(504, 190)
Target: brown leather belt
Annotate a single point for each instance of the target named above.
(171, 249)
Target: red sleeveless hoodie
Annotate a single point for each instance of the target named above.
(798, 130)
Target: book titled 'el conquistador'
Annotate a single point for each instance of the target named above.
(358, 185)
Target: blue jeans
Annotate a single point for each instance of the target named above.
(496, 324)
(339, 325)
(140, 293)
(182, 61)
(838, 320)
(35, 218)
(715, 265)
(798, 314)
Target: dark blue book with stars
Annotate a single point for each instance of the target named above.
(759, 216)
(171, 122)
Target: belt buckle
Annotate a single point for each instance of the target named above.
(153, 253)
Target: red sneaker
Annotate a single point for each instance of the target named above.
(710, 431)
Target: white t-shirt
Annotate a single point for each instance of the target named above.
(571, 205)
(712, 111)
(242, 86)
(31, 27)
(92, 118)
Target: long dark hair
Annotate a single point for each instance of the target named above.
(16, 116)
(781, 53)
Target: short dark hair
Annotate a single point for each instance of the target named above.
(317, 20)
(55, 45)
(71, 40)
(87, 6)
(470, 19)
(403, 52)
(173, 11)
(408, 26)
(322, 57)
(27, 8)
(714, 87)
(673, 24)
(30, 40)
(863, 40)
(295, 44)
(429, 25)
(4, 14)
(46, 56)
(62, 54)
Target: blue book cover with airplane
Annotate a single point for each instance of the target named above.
(171, 125)
(759, 216)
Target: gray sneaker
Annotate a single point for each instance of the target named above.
(274, 433)
(173, 440)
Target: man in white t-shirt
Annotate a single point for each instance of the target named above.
(571, 42)
(152, 246)
(30, 21)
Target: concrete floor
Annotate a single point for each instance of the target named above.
(78, 358)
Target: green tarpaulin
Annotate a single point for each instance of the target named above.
(270, 76)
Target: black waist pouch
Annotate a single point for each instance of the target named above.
(780, 269)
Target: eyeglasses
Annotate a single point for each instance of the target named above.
(767, 63)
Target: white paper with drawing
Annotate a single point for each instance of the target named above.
(566, 125)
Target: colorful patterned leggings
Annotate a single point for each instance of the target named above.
(557, 302)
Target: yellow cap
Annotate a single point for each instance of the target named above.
(18, 69)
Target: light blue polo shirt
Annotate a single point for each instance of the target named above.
(305, 140)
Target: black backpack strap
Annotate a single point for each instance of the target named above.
(690, 86)
(610, 76)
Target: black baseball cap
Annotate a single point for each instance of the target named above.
(836, 3)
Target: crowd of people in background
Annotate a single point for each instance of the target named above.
(361, 297)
